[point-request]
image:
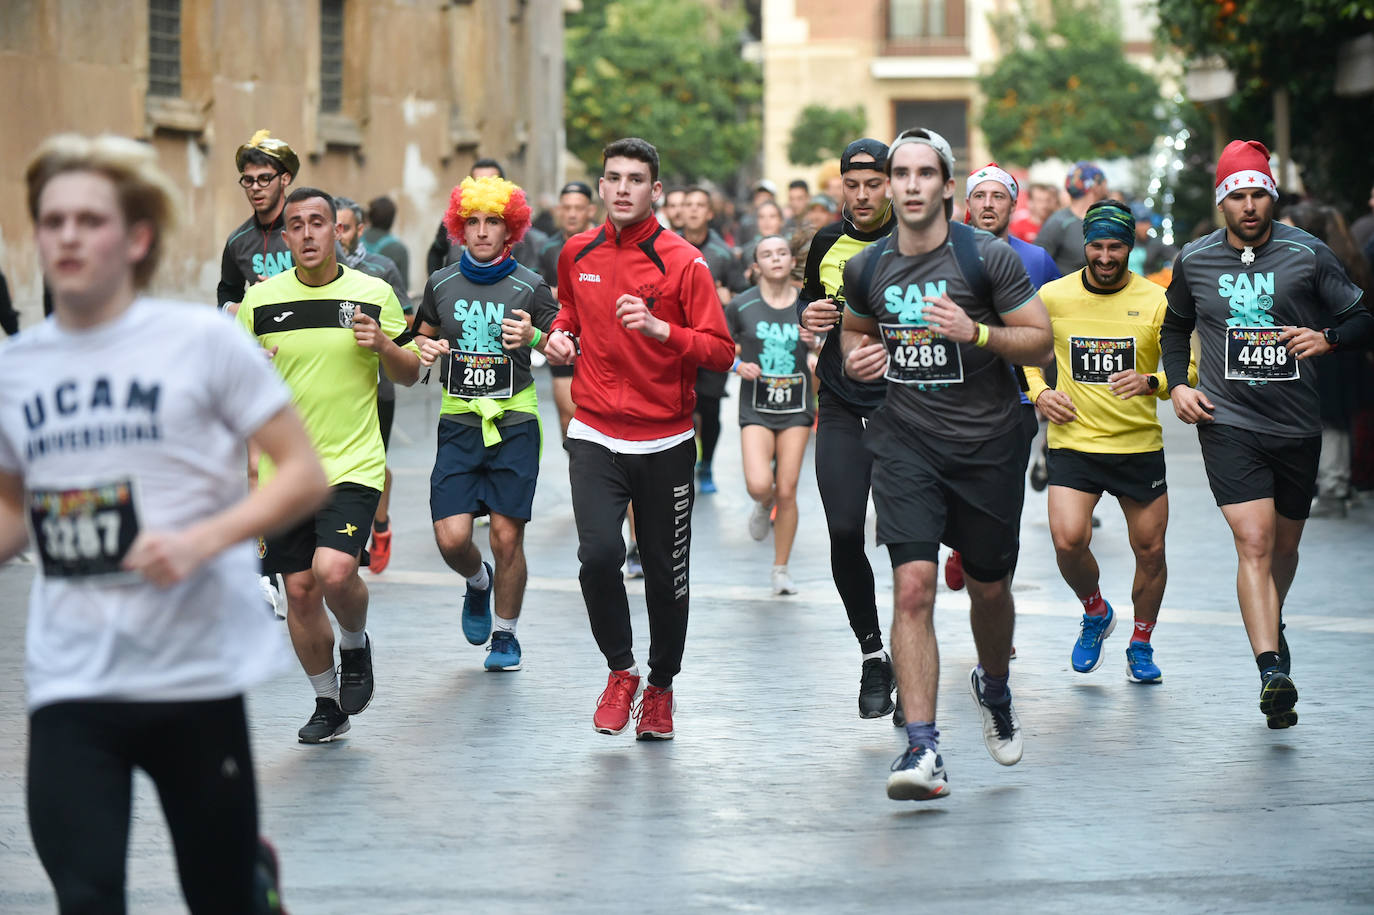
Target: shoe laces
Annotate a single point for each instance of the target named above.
(618, 691)
(1001, 719)
(1093, 627)
(909, 759)
(874, 675)
(1140, 652)
(651, 703)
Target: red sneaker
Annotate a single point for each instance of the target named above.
(655, 714)
(613, 708)
(954, 571)
(380, 552)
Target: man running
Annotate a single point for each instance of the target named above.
(354, 253)
(948, 449)
(1265, 298)
(329, 327)
(644, 308)
(256, 250)
(1062, 233)
(144, 627)
(1105, 435)
(576, 207)
(844, 466)
(476, 316)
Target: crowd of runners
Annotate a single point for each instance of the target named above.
(164, 498)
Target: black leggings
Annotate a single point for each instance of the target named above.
(844, 471)
(708, 416)
(660, 486)
(81, 761)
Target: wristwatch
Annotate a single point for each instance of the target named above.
(1332, 337)
(1153, 382)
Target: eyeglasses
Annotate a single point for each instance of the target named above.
(247, 181)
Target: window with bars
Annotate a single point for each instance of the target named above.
(331, 56)
(925, 26)
(164, 48)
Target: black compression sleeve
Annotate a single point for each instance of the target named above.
(811, 277)
(1357, 330)
(1175, 336)
(231, 281)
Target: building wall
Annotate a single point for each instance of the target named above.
(429, 85)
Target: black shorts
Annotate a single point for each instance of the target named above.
(929, 491)
(343, 524)
(470, 478)
(386, 412)
(1138, 477)
(1243, 466)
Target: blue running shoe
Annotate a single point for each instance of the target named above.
(1087, 651)
(918, 775)
(504, 652)
(1140, 663)
(477, 610)
(706, 484)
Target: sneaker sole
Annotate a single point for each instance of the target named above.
(497, 668)
(654, 735)
(1277, 701)
(338, 732)
(358, 711)
(906, 791)
(1111, 627)
(1152, 681)
(880, 713)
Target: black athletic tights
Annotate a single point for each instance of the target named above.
(81, 761)
(844, 471)
(708, 414)
(660, 485)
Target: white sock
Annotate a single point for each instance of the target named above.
(505, 625)
(633, 671)
(481, 581)
(880, 653)
(326, 685)
(349, 641)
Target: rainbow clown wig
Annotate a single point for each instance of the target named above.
(493, 195)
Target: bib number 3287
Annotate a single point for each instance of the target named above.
(1257, 354)
(918, 355)
(84, 532)
(473, 375)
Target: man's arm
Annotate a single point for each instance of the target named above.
(1176, 330)
(703, 340)
(231, 281)
(567, 319)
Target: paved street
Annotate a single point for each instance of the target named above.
(465, 791)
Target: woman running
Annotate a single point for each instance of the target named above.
(776, 403)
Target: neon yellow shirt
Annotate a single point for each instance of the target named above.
(333, 380)
(1095, 335)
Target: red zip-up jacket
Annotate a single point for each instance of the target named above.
(628, 385)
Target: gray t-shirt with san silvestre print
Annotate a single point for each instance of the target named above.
(1244, 371)
(955, 391)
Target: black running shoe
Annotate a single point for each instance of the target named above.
(1285, 657)
(1039, 475)
(267, 881)
(328, 722)
(1278, 695)
(898, 718)
(875, 688)
(355, 678)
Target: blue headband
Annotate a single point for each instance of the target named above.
(1109, 222)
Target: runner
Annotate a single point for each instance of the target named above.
(948, 450)
(672, 209)
(576, 208)
(989, 202)
(697, 213)
(1062, 233)
(355, 254)
(329, 327)
(844, 466)
(775, 403)
(1106, 436)
(1265, 298)
(476, 316)
(645, 309)
(256, 250)
(144, 629)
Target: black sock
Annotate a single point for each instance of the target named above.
(381, 526)
(1266, 659)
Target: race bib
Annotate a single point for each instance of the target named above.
(1097, 359)
(472, 375)
(1256, 354)
(918, 355)
(780, 393)
(84, 533)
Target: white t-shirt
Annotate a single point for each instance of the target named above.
(142, 419)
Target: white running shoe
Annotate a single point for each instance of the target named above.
(1001, 728)
(918, 775)
(759, 520)
(269, 594)
(782, 582)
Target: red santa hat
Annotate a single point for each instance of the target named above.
(1244, 163)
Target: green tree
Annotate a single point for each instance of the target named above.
(669, 71)
(1065, 89)
(1286, 44)
(822, 133)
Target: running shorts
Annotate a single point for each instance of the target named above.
(1243, 466)
(1138, 477)
(471, 479)
(343, 524)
